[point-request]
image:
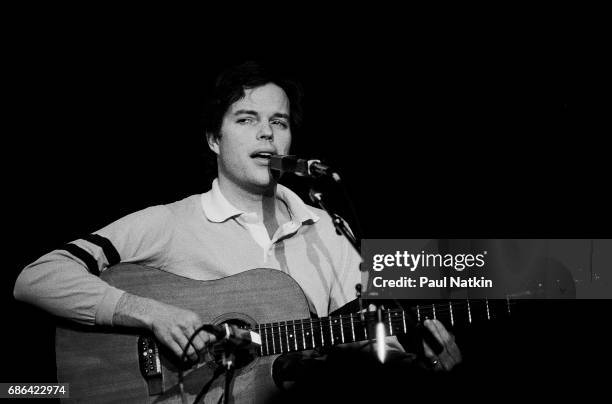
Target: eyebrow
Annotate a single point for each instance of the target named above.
(255, 113)
(245, 111)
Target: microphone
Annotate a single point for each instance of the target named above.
(280, 164)
(233, 334)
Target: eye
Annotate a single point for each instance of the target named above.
(245, 121)
(280, 124)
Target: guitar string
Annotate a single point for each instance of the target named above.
(282, 337)
(397, 325)
(440, 312)
(334, 323)
(335, 326)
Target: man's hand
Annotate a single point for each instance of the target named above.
(450, 355)
(171, 325)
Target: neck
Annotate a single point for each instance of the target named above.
(259, 201)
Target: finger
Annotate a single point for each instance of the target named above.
(182, 341)
(441, 361)
(432, 326)
(201, 339)
(446, 336)
(446, 360)
(455, 353)
(429, 353)
(440, 332)
(436, 362)
(393, 344)
(448, 340)
(175, 348)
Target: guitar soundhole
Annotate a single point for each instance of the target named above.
(242, 356)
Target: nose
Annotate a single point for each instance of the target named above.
(265, 132)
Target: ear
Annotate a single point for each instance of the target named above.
(213, 142)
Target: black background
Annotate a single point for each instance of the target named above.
(465, 131)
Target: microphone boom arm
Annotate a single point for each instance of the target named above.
(339, 223)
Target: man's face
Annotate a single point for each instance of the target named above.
(253, 128)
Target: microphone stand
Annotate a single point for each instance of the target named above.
(342, 229)
(339, 223)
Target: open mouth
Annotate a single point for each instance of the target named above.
(262, 157)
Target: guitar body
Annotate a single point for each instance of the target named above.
(102, 364)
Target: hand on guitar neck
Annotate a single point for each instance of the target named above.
(443, 353)
(171, 325)
(450, 354)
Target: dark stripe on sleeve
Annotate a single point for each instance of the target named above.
(83, 255)
(111, 253)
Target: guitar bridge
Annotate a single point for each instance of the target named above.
(150, 364)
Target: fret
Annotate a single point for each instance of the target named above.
(295, 339)
(281, 344)
(273, 344)
(275, 347)
(485, 310)
(276, 335)
(321, 329)
(312, 333)
(316, 334)
(304, 333)
(276, 344)
(265, 343)
(332, 323)
(501, 307)
(287, 337)
(469, 311)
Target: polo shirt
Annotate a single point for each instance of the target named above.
(202, 237)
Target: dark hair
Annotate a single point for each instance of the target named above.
(231, 83)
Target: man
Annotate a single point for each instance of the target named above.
(247, 220)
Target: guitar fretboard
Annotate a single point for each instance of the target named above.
(297, 335)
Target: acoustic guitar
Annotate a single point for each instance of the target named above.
(125, 365)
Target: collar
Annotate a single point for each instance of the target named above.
(218, 209)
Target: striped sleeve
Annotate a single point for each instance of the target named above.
(66, 283)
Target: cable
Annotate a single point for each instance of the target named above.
(210, 329)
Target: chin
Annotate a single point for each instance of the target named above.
(263, 183)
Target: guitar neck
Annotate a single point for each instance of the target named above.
(297, 335)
